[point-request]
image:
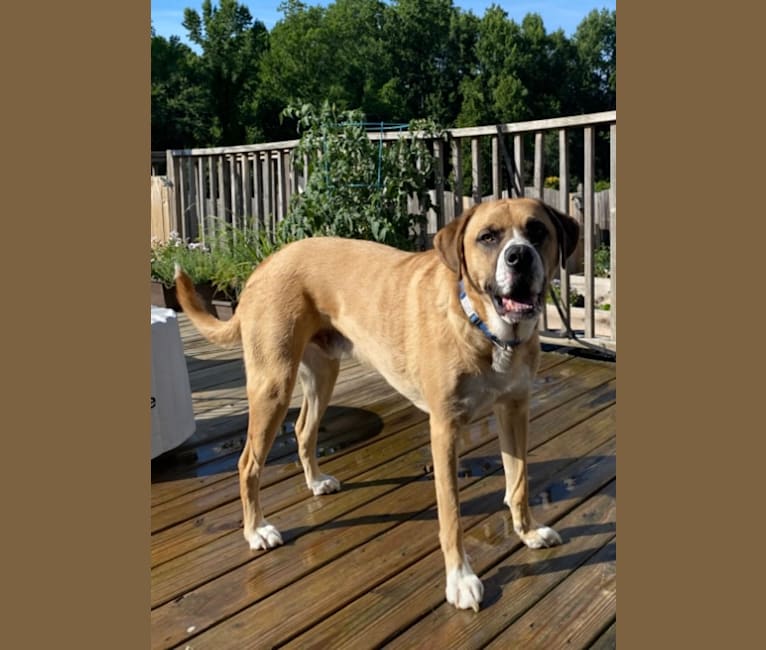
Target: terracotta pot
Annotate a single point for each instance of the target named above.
(162, 296)
(224, 309)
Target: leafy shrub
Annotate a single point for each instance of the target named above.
(194, 257)
(601, 261)
(575, 298)
(356, 186)
(237, 251)
(226, 259)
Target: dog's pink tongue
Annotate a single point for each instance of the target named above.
(512, 305)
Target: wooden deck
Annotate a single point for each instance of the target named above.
(362, 568)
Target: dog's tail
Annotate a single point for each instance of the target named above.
(223, 333)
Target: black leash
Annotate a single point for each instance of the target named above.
(598, 349)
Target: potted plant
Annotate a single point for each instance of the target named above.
(219, 267)
(237, 251)
(196, 260)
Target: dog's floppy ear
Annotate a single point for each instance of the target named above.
(448, 242)
(567, 230)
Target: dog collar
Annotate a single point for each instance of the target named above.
(465, 303)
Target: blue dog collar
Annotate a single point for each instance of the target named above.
(467, 306)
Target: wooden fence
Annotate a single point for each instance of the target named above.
(255, 184)
(161, 217)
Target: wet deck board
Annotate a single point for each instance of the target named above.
(362, 568)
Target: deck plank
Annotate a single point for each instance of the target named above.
(607, 640)
(574, 613)
(362, 568)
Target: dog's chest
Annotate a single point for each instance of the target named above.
(505, 378)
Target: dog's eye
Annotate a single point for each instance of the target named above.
(487, 237)
(536, 232)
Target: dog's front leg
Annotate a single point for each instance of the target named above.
(464, 589)
(513, 420)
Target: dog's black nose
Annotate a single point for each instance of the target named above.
(518, 257)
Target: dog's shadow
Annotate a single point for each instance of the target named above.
(553, 486)
(215, 449)
(496, 581)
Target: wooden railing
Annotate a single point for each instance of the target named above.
(255, 184)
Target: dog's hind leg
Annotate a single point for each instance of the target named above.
(317, 373)
(268, 399)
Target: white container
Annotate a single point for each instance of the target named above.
(171, 402)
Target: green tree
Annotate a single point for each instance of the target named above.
(426, 39)
(232, 44)
(335, 54)
(179, 112)
(595, 41)
(395, 61)
(522, 72)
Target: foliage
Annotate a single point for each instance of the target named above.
(521, 72)
(226, 261)
(431, 47)
(179, 110)
(551, 182)
(194, 257)
(232, 44)
(237, 252)
(575, 298)
(595, 41)
(394, 61)
(601, 262)
(356, 186)
(347, 63)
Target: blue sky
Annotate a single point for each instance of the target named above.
(167, 15)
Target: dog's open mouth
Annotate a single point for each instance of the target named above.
(517, 306)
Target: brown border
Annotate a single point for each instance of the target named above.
(642, 612)
(77, 527)
(76, 470)
(687, 145)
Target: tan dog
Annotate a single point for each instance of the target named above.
(453, 352)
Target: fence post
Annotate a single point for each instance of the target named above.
(518, 163)
(457, 169)
(497, 170)
(476, 170)
(170, 171)
(439, 178)
(538, 185)
(613, 228)
(564, 207)
(590, 315)
(539, 161)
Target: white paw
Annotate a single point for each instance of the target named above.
(325, 484)
(464, 589)
(541, 537)
(264, 537)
